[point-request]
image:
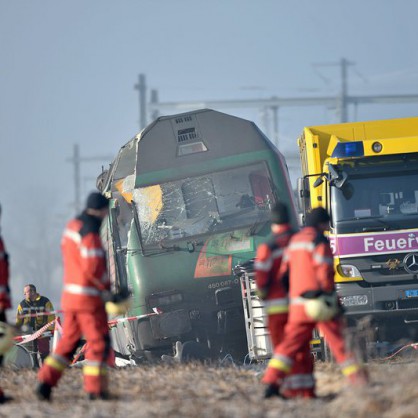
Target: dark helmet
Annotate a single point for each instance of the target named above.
(317, 216)
(96, 201)
(280, 214)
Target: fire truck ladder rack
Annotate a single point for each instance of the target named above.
(258, 336)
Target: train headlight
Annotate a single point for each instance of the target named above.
(348, 270)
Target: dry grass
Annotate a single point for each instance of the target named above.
(213, 391)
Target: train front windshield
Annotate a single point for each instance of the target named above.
(214, 202)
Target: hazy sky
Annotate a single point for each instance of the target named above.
(68, 68)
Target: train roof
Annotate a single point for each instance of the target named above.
(187, 138)
(193, 137)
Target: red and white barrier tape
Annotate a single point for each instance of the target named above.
(114, 322)
(22, 339)
(33, 315)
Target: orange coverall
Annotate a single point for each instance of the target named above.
(4, 282)
(273, 291)
(4, 294)
(85, 278)
(309, 260)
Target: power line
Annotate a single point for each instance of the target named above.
(340, 102)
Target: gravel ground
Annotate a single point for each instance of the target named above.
(221, 390)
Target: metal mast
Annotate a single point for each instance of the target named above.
(76, 159)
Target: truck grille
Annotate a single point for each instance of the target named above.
(384, 268)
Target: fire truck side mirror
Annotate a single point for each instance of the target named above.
(318, 182)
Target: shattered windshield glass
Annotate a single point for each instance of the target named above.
(192, 206)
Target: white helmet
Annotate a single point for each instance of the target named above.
(6, 337)
(322, 308)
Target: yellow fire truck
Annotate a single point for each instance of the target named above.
(366, 175)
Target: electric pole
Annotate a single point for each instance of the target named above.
(142, 89)
(342, 98)
(76, 160)
(343, 112)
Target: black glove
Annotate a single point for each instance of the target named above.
(312, 294)
(286, 281)
(120, 296)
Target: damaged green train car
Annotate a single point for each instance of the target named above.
(190, 199)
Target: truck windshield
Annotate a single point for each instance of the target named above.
(192, 206)
(373, 199)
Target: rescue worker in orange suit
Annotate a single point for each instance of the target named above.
(4, 280)
(86, 288)
(313, 303)
(272, 289)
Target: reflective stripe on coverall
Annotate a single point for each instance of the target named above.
(4, 280)
(269, 284)
(309, 260)
(85, 277)
(40, 305)
(272, 290)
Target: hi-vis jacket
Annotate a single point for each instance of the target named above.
(4, 278)
(85, 273)
(312, 268)
(40, 305)
(269, 283)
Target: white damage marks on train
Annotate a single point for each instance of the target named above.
(199, 205)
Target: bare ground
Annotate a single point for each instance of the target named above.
(222, 390)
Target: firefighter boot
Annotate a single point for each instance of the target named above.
(102, 396)
(271, 390)
(43, 392)
(4, 398)
(272, 379)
